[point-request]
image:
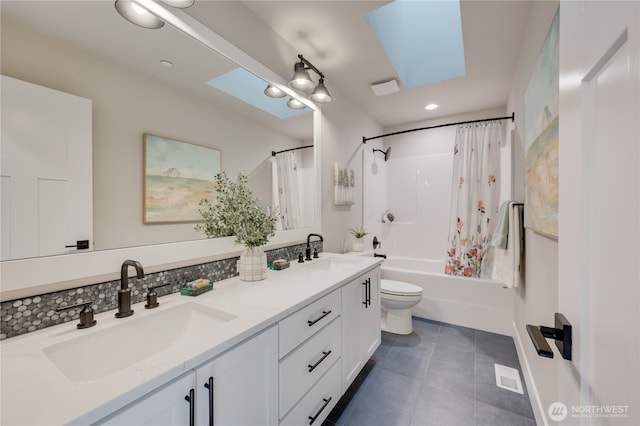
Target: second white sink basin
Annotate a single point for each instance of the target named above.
(332, 263)
(103, 352)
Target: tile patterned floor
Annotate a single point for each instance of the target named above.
(440, 375)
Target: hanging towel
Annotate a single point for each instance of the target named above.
(508, 261)
(499, 239)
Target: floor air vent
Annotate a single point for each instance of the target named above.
(508, 378)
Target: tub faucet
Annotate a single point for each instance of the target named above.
(308, 250)
(124, 294)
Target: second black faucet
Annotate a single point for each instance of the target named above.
(308, 249)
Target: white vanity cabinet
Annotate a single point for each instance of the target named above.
(310, 351)
(360, 324)
(239, 387)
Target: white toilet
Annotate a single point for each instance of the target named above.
(397, 298)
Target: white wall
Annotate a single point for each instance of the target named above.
(536, 300)
(124, 107)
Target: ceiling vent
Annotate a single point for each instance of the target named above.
(386, 87)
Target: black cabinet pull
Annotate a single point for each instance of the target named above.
(365, 293)
(191, 399)
(209, 385)
(368, 292)
(324, 314)
(324, 356)
(326, 402)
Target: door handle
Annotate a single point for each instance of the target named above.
(365, 293)
(209, 386)
(80, 245)
(561, 334)
(191, 399)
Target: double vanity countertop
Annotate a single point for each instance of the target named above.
(63, 375)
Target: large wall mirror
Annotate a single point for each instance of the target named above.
(162, 82)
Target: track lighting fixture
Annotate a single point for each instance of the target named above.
(302, 81)
(320, 93)
(136, 14)
(274, 92)
(293, 103)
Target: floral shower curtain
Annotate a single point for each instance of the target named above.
(474, 201)
(286, 194)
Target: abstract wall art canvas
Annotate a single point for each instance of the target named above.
(177, 175)
(541, 139)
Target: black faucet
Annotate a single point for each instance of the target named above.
(124, 294)
(308, 250)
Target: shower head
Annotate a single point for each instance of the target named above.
(386, 153)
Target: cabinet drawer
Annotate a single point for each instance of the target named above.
(314, 408)
(306, 365)
(298, 327)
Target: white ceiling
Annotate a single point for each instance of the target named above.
(336, 38)
(333, 35)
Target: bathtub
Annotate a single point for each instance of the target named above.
(471, 302)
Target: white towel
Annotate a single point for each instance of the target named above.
(499, 238)
(508, 262)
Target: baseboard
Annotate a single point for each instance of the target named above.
(534, 396)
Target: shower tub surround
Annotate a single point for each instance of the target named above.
(470, 302)
(29, 314)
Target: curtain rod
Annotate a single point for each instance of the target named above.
(273, 153)
(512, 117)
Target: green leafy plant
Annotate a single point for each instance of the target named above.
(358, 232)
(236, 212)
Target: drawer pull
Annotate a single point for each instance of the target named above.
(324, 314)
(324, 356)
(326, 402)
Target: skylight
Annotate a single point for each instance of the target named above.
(422, 39)
(245, 86)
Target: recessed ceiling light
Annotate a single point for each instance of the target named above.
(166, 64)
(431, 107)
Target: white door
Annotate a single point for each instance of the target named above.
(46, 171)
(599, 228)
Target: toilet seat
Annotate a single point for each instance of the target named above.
(399, 288)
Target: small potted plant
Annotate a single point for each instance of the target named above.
(359, 234)
(236, 213)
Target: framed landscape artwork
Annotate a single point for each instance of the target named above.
(541, 139)
(177, 175)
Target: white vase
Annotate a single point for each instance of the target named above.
(358, 245)
(252, 265)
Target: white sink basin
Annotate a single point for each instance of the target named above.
(103, 352)
(332, 263)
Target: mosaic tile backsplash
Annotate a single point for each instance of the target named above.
(22, 316)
